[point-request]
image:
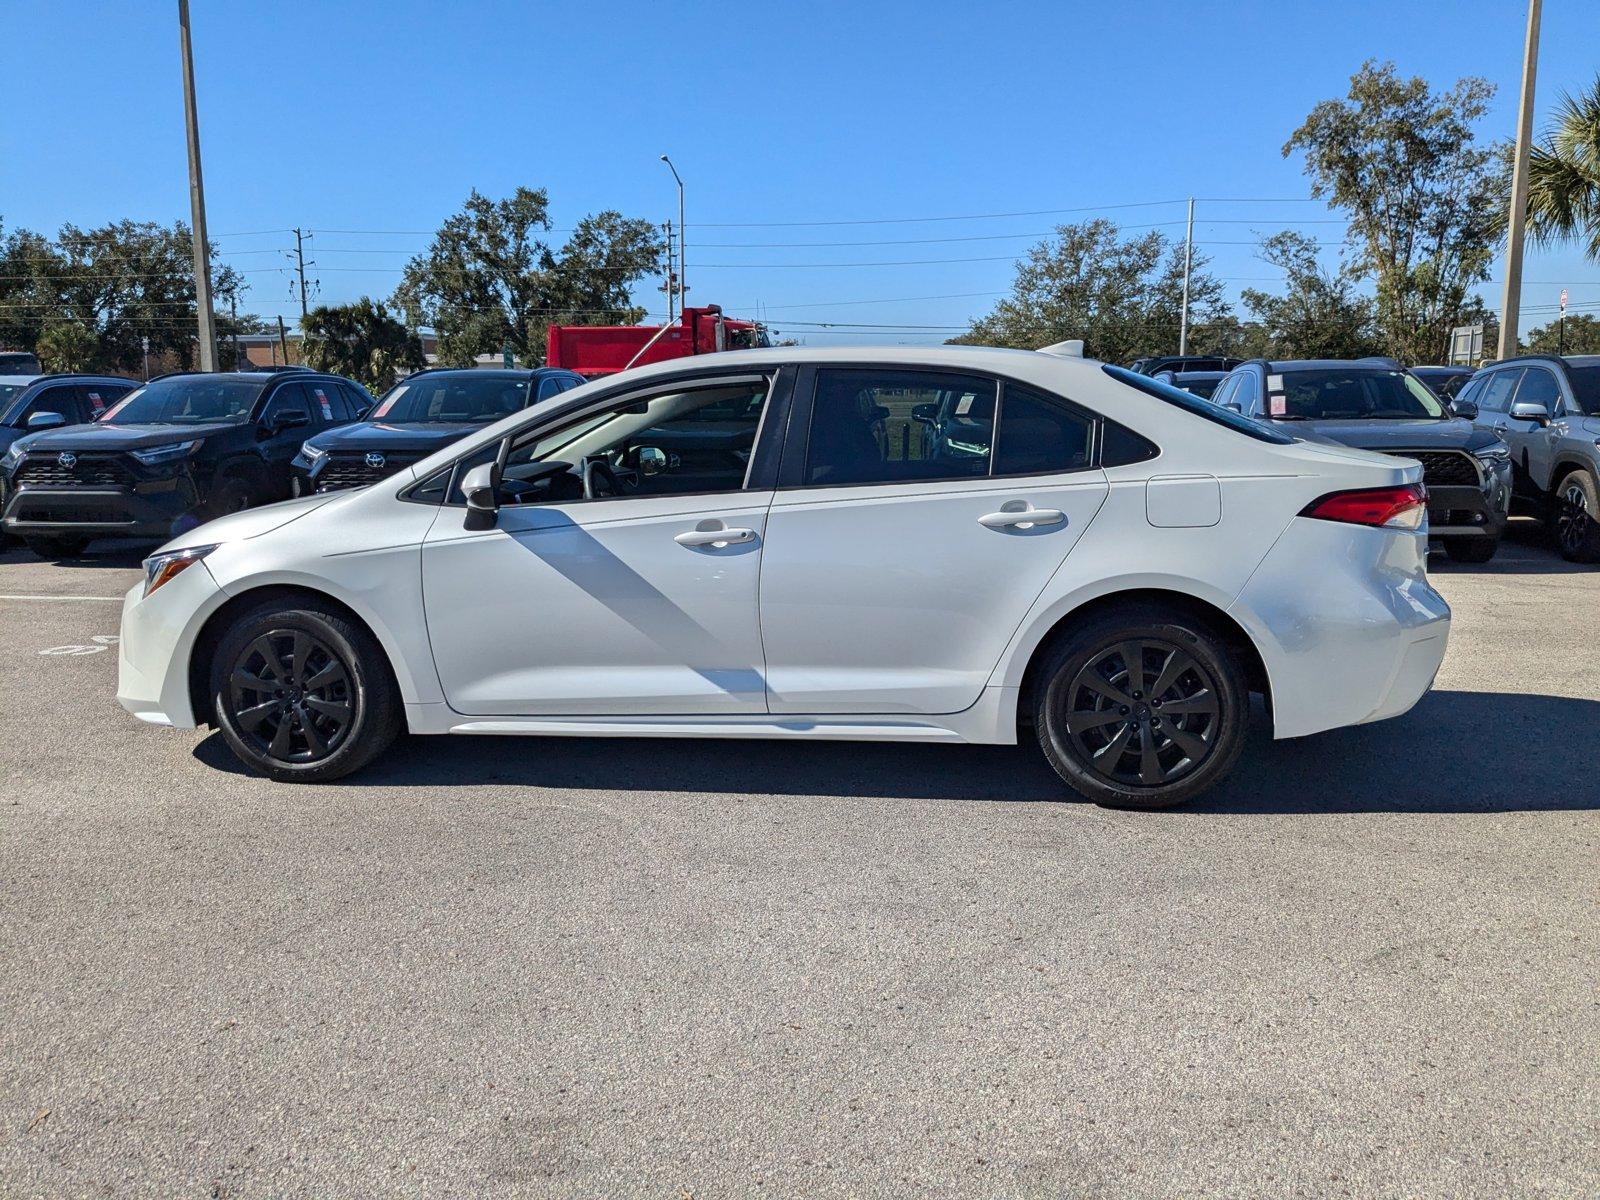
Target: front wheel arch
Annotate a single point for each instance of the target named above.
(218, 623)
(1239, 643)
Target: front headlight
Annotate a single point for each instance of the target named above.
(161, 569)
(313, 454)
(161, 454)
(14, 455)
(1499, 452)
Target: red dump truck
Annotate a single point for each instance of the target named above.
(596, 350)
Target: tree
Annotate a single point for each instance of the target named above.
(360, 340)
(1404, 164)
(1123, 297)
(1582, 336)
(67, 346)
(1564, 176)
(1319, 314)
(489, 280)
(120, 284)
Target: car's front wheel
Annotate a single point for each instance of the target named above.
(302, 694)
(1143, 708)
(1577, 518)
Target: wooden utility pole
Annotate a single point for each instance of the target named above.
(197, 204)
(1512, 302)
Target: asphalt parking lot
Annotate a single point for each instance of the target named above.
(494, 967)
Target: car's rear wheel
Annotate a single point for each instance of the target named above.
(1143, 708)
(1577, 518)
(57, 547)
(302, 694)
(1471, 550)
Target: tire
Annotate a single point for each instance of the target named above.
(230, 496)
(337, 708)
(57, 547)
(1078, 708)
(1471, 550)
(1576, 519)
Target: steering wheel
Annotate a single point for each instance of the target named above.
(599, 480)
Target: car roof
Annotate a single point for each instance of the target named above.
(8, 379)
(1327, 364)
(494, 372)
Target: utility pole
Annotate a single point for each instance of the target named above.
(683, 240)
(233, 312)
(670, 287)
(1512, 302)
(300, 236)
(1188, 262)
(197, 203)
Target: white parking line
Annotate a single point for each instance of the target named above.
(106, 599)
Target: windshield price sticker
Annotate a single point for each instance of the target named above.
(327, 408)
(1274, 383)
(383, 409)
(96, 403)
(1279, 403)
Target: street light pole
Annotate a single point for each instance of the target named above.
(683, 239)
(197, 204)
(1512, 302)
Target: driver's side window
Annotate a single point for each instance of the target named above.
(694, 439)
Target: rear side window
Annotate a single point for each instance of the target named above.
(898, 426)
(1039, 435)
(1122, 447)
(1200, 408)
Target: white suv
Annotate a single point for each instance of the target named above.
(782, 544)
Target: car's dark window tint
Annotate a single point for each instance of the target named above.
(289, 398)
(1540, 387)
(1248, 395)
(898, 426)
(571, 382)
(1039, 434)
(1471, 390)
(432, 489)
(358, 398)
(1585, 383)
(99, 397)
(1497, 391)
(1200, 408)
(1225, 390)
(1121, 446)
(53, 400)
(549, 386)
(327, 403)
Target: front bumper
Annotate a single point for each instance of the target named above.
(1463, 511)
(158, 509)
(157, 640)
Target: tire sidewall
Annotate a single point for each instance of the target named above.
(1587, 550)
(354, 750)
(1081, 646)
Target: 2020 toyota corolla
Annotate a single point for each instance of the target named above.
(781, 544)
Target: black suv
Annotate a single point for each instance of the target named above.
(31, 403)
(1151, 364)
(180, 450)
(420, 414)
(1374, 404)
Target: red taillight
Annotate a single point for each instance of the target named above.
(1390, 507)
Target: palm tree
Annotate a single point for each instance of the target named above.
(1564, 175)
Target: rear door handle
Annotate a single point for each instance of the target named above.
(714, 537)
(1022, 517)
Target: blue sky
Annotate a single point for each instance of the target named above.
(368, 123)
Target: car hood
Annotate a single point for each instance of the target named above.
(1454, 434)
(253, 522)
(400, 436)
(99, 436)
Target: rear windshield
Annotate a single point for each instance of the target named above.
(1586, 388)
(186, 400)
(1351, 394)
(451, 398)
(1199, 407)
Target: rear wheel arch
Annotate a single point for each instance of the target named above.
(219, 622)
(1180, 604)
(1566, 466)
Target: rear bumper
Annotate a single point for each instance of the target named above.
(1360, 643)
(99, 512)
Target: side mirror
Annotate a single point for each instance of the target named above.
(46, 420)
(1464, 408)
(1530, 410)
(287, 419)
(652, 460)
(928, 414)
(481, 487)
(1233, 406)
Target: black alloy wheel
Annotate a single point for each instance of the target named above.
(291, 697)
(303, 693)
(1577, 518)
(1142, 708)
(1143, 713)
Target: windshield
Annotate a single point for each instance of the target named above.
(186, 400)
(1586, 388)
(1200, 408)
(1350, 394)
(452, 398)
(8, 393)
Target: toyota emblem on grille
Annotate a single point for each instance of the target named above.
(374, 460)
(68, 459)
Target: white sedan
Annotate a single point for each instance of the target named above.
(940, 545)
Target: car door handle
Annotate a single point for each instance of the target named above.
(1022, 517)
(714, 537)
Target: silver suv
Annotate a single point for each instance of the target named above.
(1547, 409)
